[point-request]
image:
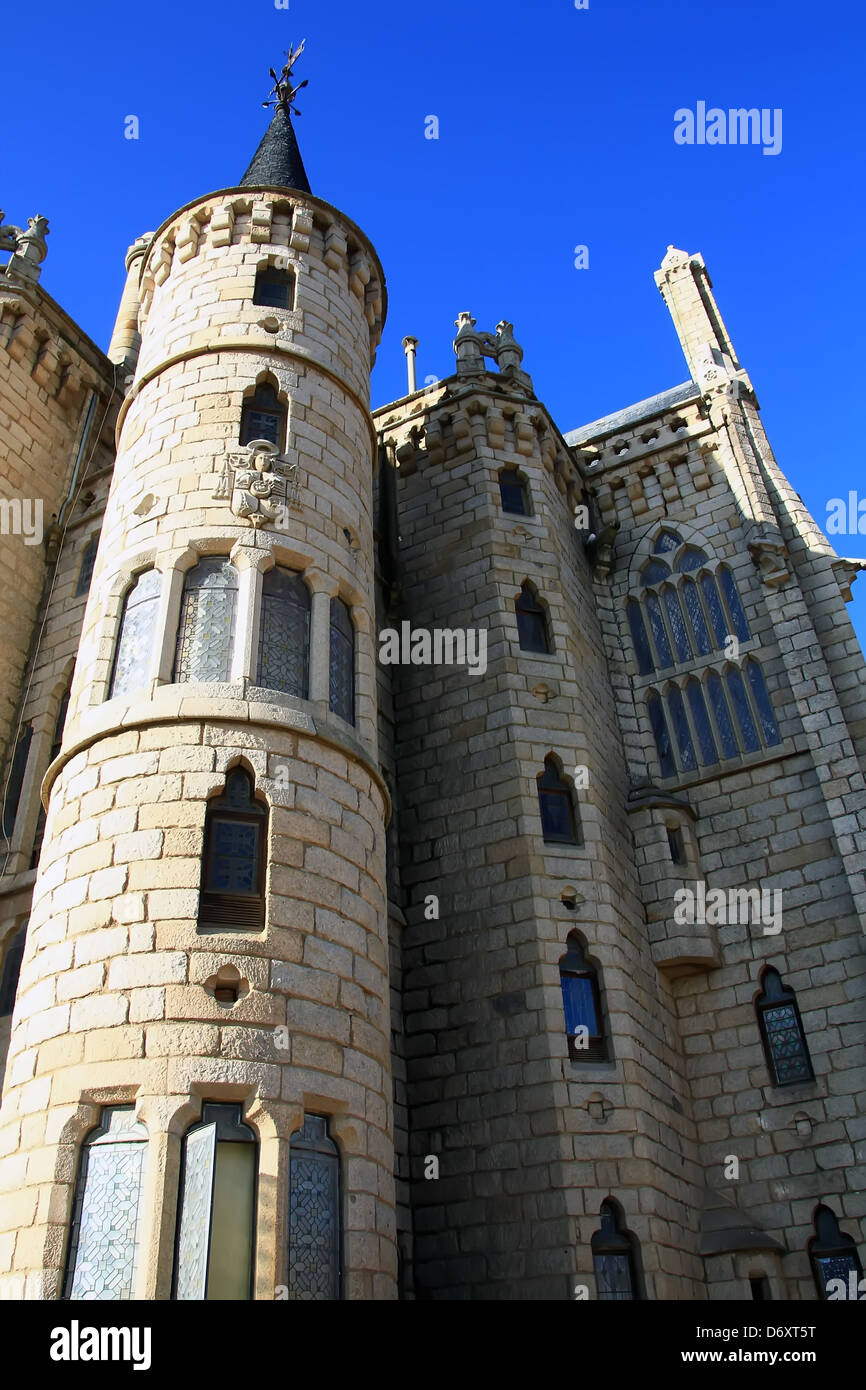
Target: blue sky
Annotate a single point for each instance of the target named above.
(555, 130)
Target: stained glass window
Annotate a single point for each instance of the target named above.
(11, 789)
(512, 492)
(12, 958)
(614, 1258)
(677, 624)
(314, 1213)
(207, 621)
(341, 678)
(274, 288)
(639, 637)
(133, 658)
(284, 633)
(264, 417)
(738, 618)
(701, 722)
(85, 573)
(682, 733)
(696, 617)
(103, 1242)
(216, 1216)
(661, 736)
(691, 559)
(531, 621)
(558, 820)
(581, 1002)
(714, 608)
(769, 728)
(782, 1033)
(655, 572)
(232, 894)
(834, 1255)
(668, 540)
(743, 710)
(657, 627)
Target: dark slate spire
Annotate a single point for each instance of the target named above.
(277, 161)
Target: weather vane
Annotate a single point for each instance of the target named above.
(283, 93)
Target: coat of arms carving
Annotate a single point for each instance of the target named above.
(260, 484)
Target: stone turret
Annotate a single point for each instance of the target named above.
(226, 660)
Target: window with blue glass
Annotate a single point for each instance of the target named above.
(581, 1002)
(284, 633)
(834, 1257)
(615, 1257)
(532, 626)
(85, 570)
(559, 820)
(232, 896)
(341, 671)
(133, 657)
(274, 288)
(782, 1032)
(314, 1236)
(513, 492)
(263, 416)
(685, 609)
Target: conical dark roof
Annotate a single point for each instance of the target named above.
(277, 162)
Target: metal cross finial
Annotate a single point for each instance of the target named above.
(283, 93)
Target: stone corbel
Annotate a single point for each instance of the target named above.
(162, 266)
(769, 555)
(46, 364)
(260, 222)
(187, 242)
(433, 441)
(302, 229)
(335, 247)
(360, 274)
(222, 225)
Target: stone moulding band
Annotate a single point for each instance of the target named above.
(146, 721)
(244, 345)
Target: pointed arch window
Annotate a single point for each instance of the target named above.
(782, 1033)
(85, 571)
(833, 1255)
(275, 289)
(513, 492)
(264, 417)
(284, 634)
(314, 1213)
(341, 680)
(532, 628)
(14, 783)
(103, 1241)
(615, 1257)
(12, 958)
(216, 1218)
(207, 621)
(581, 1002)
(559, 822)
(56, 744)
(232, 896)
(134, 652)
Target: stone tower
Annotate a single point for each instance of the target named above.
(672, 704)
(206, 972)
